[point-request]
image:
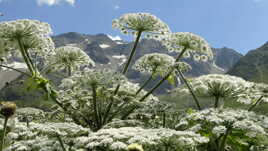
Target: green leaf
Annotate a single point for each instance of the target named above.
(171, 80)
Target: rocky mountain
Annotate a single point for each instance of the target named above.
(106, 51)
(112, 52)
(253, 66)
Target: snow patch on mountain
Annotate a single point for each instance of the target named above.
(104, 46)
(217, 67)
(114, 38)
(119, 56)
(119, 43)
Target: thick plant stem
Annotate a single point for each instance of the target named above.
(217, 99)
(96, 116)
(255, 104)
(25, 57)
(164, 119)
(24, 73)
(61, 143)
(163, 79)
(69, 70)
(132, 53)
(52, 95)
(4, 134)
(223, 142)
(190, 89)
(156, 86)
(108, 109)
(30, 60)
(144, 84)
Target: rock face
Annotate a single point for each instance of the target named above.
(111, 52)
(253, 66)
(7, 76)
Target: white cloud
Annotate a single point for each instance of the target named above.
(116, 7)
(71, 2)
(54, 2)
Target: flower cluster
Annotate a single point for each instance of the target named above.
(258, 91)
(159, 64)
(100, 77)
(117, 123)
(154, 63)
(40, 143)
(247, 125)
(150, 139)
(221, 86)
(141, 22)
(70, 58)
(77, 95)
(42, 136)
(28, 114)
(129, 89)
(29, 34)
(195, 45)
(23, 132)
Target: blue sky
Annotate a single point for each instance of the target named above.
(238, 24)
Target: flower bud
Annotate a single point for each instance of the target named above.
(134, 147)
(8, 109)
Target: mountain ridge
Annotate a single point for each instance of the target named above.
(253, 66)
(108, 53)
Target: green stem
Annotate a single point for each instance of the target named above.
(95, 106)
(108, 109)
(163, 79)
(53, 95)
(61, 143)
(4, 134)
(256, 103)
(156, 86)
(30, 60)
(47, 67)
(144, 84)
(217, 99)
(25, 58)
(69, 70)
(190, 89)
(164, 119)
(24, 73)
(132, 53)
(128, 112)
(223, 142)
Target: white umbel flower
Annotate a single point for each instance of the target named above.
(155, 63)
(145, 137)
(222, 86)
(219, 119)
(70, 57)
(147, 23)
(195, 45)
(33, 35)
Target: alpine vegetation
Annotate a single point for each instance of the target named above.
(100, 109)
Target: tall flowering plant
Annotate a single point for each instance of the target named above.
(106, 111)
